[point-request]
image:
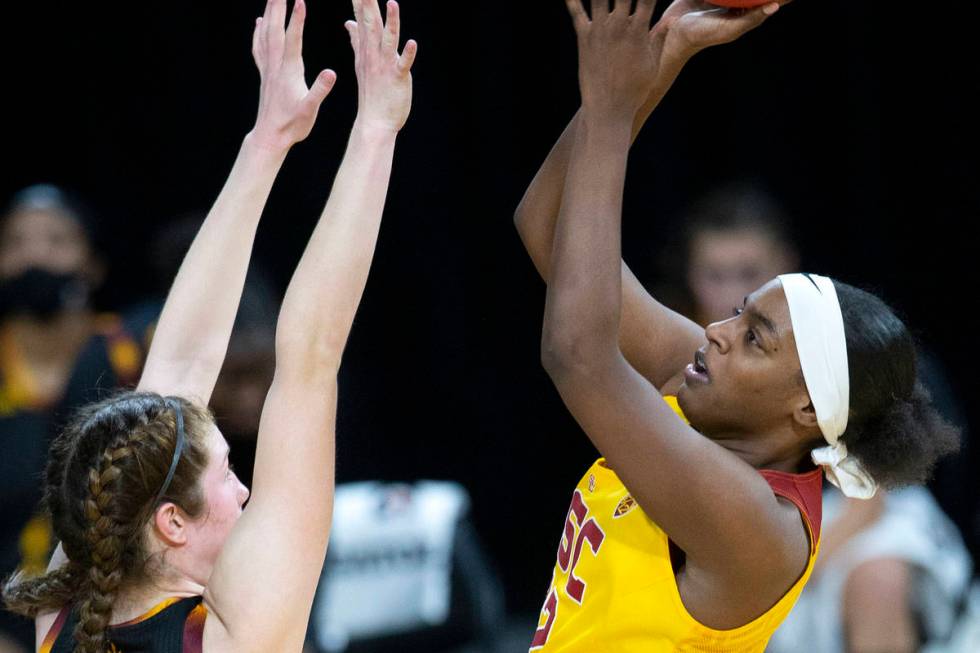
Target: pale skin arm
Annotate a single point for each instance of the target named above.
(191, 338)
(715, 506)
(657, 341)
(261, 590)
(192, 335)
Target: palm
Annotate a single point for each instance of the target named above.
(287, 107)
(281, 98)
(384, 79)
(619, 55)
(692, 25)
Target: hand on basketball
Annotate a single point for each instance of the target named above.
(689, 26)
(384, 78)
(619, 55)
(287, 107)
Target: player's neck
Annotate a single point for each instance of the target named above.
(776, 452)
(135, 602)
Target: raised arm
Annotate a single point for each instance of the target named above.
(715, 506)
(657, 341)
(276, 550)
(191, 338)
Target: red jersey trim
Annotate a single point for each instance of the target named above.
(56, 627)
(804, 490)
(193, 625)
(194, 630)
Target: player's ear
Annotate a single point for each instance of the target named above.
(804, 413)
(170, 524)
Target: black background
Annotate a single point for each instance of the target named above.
(854, 113)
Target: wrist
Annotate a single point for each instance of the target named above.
(373, 128)
(677, 52)
(606, 123)
(601, 114)
(263, 144)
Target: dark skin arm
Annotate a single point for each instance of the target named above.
(657, 341)
(744, 547)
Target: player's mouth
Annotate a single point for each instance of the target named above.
(698, 370)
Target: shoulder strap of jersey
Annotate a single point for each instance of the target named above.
(194, 629)
(55, 630)
(804, 490)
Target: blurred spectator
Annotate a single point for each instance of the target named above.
(49, 269)
(892, 571)
(736, 238)
(246, 376)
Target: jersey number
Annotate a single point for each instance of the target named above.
(569, 552)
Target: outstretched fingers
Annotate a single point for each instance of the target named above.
(392, 26)
(294, 33)
(644, 11)
(354, 33)
(369, 19)
(275, 26)
(358, 13)
(579, 18)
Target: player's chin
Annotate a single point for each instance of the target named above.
(691, 397)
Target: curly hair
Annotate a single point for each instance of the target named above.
(101, 482)
(893, 428)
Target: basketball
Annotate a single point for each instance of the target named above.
(740, 4)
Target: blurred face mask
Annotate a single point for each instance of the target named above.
(42, 294)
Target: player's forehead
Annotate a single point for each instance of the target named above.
(217, 445)
(768, 305)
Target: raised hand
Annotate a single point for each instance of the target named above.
(287, 107)
(384, 79)
(619, 55)
(689, 26)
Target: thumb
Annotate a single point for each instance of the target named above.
(758, 15)
(320, 90)
(738, 26)
(407, 57)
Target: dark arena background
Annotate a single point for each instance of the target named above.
(855, 115)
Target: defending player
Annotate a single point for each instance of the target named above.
(155, 557)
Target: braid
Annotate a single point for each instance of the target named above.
(102, 486)
(106, 538)
(50, 591)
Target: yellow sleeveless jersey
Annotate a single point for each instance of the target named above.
(613, 589)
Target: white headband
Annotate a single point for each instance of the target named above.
(818, 327)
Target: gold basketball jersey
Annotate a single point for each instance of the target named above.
(613, 589)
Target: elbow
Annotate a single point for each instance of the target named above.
(309, 354)
(568, 354)
(519, 218)
(554, 360)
